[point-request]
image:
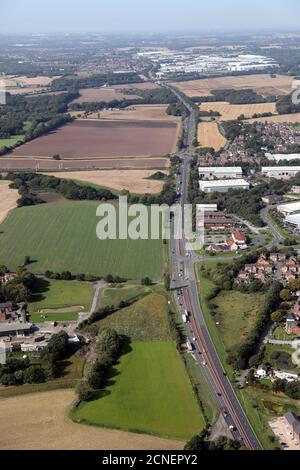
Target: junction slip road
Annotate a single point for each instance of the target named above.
(185, 286)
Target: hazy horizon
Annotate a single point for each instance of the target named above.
(134, 16)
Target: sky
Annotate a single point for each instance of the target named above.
(33, 16)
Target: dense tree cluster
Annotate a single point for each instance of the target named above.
(94, 81)
(108, 348)
(19, 289)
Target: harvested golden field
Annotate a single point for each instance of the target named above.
(13, 81)
(130, 180)
(280, 118)
(230, 112)
(210, 136)
(39, 422)
(148, 112)
(8, 199)
(262, 83)
(137, 86)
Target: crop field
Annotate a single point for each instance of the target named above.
(142, 112)
(8, 199)
(97, 139)
(50, 429)
(144, 320)
(114, 92)
(129, 180)
(294, 118)
(230, 112)
(89, 95)
(46, 164)
(61, 236)
(148, 392)
(60, 300)
(14, 81)
(237, 314)
(263, 84)
(210, 136)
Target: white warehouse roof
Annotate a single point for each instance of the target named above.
(277, 157)
(293, 219)
(291, 208)
(220, 169)
(280, 169)
(223, 184)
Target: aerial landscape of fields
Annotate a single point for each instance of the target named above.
(149, 231)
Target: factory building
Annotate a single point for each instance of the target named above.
(220, 172)
(280, 172)
(222, 186)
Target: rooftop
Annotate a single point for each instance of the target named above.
(280, 168)
(220, 169)
(281, 156)
(225, 183)
(290, 207)
(14, 326)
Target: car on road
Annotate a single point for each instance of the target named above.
(224, 412)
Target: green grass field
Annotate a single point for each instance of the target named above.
(146, 319)
(57, 295)
(147, 392)
(61, 236)
(237, 314)
(123, 292)
(11, 141)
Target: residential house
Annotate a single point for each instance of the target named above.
(262, 371)
(7, 312)
(292, 325)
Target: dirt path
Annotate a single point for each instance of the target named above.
(39, 422)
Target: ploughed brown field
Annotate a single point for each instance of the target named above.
(264, 84)
(84, 139)
(286, 118)
(147, 112)
(10, 164)
(114, 92)
(39, 422)
(116, 179)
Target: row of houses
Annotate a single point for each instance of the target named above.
(286, 269)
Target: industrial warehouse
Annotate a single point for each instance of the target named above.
(223, 186)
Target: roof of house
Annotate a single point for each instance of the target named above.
(239, 236)
(6, 305)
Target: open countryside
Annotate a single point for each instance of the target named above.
(263, 84)
(84, 139)
(137, 181)
(210, 136)
(50, 429)
(231, 112)
(161, 401)
(62, 236)
(8, 199)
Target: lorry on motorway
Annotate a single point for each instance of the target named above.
(190, 346)
(184, 318)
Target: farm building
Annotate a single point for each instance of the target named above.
(223, 186)
(289, 209)
(211, 172)
(14, 329)
(280, 172)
